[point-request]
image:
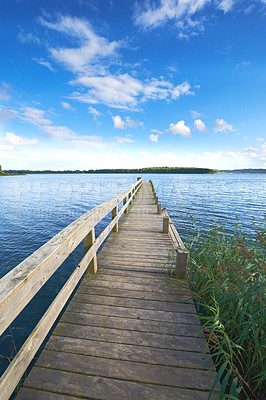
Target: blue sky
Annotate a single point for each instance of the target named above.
(131, 84)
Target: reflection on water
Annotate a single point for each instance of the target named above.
(33, 208)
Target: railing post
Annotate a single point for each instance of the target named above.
(124, 202)
(181, 262)
(156, 199)
(166, 225)
(114, 214)
(130, 197)
(88, 242)
(159, 209)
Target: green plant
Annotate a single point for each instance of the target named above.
(226, 272)
(12, 354)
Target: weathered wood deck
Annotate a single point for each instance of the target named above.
(125, 334)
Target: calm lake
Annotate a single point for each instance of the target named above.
(33, 208)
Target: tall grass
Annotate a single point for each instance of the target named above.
(226, 272)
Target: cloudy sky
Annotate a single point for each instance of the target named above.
(120, 83)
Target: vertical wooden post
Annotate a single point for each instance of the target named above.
(124, 202)
(130, 197)
(138, 179)
(181, 262)
(156, 199)
(159, 209)
(166, 225)
(114, 214)
(88, 242)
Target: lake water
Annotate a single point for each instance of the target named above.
(33, 208)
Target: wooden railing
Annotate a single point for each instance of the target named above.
(181, 256)
(21, 284)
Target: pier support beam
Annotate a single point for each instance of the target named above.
(166, 225)
(88, 242)
(181, 262)
(124, 202)
(114, 214)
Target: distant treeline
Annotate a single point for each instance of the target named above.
(245, 171)
(153, 170)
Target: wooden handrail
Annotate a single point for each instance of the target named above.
(19, 286)
(181, 250)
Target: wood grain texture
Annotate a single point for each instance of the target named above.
(127, 333)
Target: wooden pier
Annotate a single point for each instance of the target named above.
(126, 334)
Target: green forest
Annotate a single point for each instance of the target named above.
(152, 170)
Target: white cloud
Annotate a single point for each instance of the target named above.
(199, 124)
(85, 158)
(126, 92)
(260, 139)
(7, 114)
(118, 123)
(122, 140)
(154, 138)
(185, 14)
(95, 113)
(5, 91)
(243, 64)
(179, 128)
(44, 63)
(62, 133)
(182, 90)
(67, 106)
(154, 16)
(156, 89)
(127, 123)
(250, 157)
(90, 48)
(25, 37)
(35, 116)
(220, 125)
(19, 140)
(250, 8)
(195, 114)
(157, 131)
(11, 140)
(90, 57)
(115, 91)
(226, 5)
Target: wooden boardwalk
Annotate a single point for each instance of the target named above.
(125, 334)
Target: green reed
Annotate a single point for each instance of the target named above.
(226, 272)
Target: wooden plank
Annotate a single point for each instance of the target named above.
(104, 388)
(158, 288)
(161, 297)
(126, 370)
(33, 394)
(97, 297)
(135, 312)
(161, 281)
(129, 272)
(127, 352)
(184, 324)
(128, 337)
